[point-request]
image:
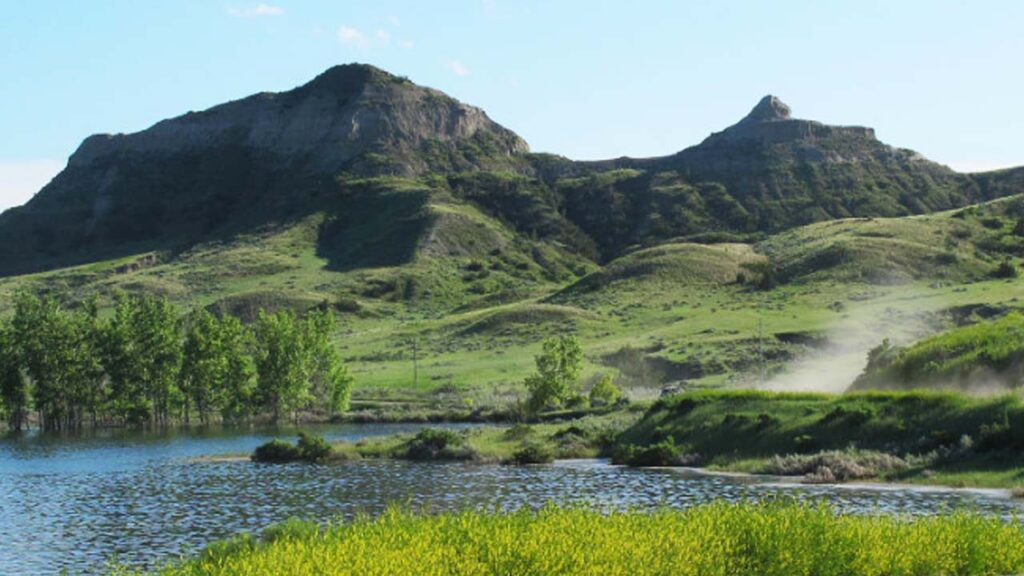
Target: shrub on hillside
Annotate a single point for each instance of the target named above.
(605, 392)
(1005, 269)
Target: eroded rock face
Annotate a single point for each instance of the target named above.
(769, 109)
(770, 122)
(325, 124)
(235, 167)
(275, 158)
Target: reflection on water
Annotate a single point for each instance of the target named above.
(76, 503)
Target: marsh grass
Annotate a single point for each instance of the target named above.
(769, 538)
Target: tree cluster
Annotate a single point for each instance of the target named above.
(145, 365)
(559, 366)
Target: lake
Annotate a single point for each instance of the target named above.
(77, 502)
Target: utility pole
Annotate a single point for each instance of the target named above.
(415, 363)
(760, 346)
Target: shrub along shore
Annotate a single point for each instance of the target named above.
(921, 437)
(771, 538)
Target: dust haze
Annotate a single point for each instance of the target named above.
(833, 367)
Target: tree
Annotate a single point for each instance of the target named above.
(331, 383)
(142, 354)
(1018, 228)
(57, 351)
(14, 391)
(236, 387)
(282, 385)
(84, 374)
(217, 369)
(605, 392)
(558, 372)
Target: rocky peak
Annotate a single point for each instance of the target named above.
(348, 79)
(769, 109)
(345, 112)
(771, 122)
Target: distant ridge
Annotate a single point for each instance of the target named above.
(273, 158)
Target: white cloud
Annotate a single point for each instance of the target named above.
(256, 11)
(353, 37)
(394, 20)
(20, 180)
(383, 36)
(457, 68)
(407, 44)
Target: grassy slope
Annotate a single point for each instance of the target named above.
(983, 356)
(772, 539)
(477, 298)
(741, 430)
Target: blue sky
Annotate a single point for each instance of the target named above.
(587, 79)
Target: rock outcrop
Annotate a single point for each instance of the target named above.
(324, 125)
(770, 122)
(276, 158)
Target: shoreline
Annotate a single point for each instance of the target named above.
(770, 480)
(880, 485)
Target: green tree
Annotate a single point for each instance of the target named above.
(57, 351)
(558, 372)
(14, 390)
(331, 384)
(85, 378)
(282, 364)
(236, 388)
(142, 355)
(217, 369)
(605, 392)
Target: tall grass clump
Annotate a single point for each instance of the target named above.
(769, 538)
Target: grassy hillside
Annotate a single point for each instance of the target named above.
(981, 357)
(931, 437)
(474, 297)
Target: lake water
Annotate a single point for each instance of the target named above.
(75, 503)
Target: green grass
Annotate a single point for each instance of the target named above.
(585, 437)
(939, 437)
(775, 538)
(478, 298)
(989, 355)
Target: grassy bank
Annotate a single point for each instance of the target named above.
(907, 436)
(914, 437)
(719, 538)
(586, 436)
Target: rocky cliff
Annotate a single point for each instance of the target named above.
(277, 157)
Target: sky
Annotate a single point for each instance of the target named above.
(586, 79)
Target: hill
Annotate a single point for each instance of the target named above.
(983, 357)
(450, 250)
(264, 160)
(274, 159)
